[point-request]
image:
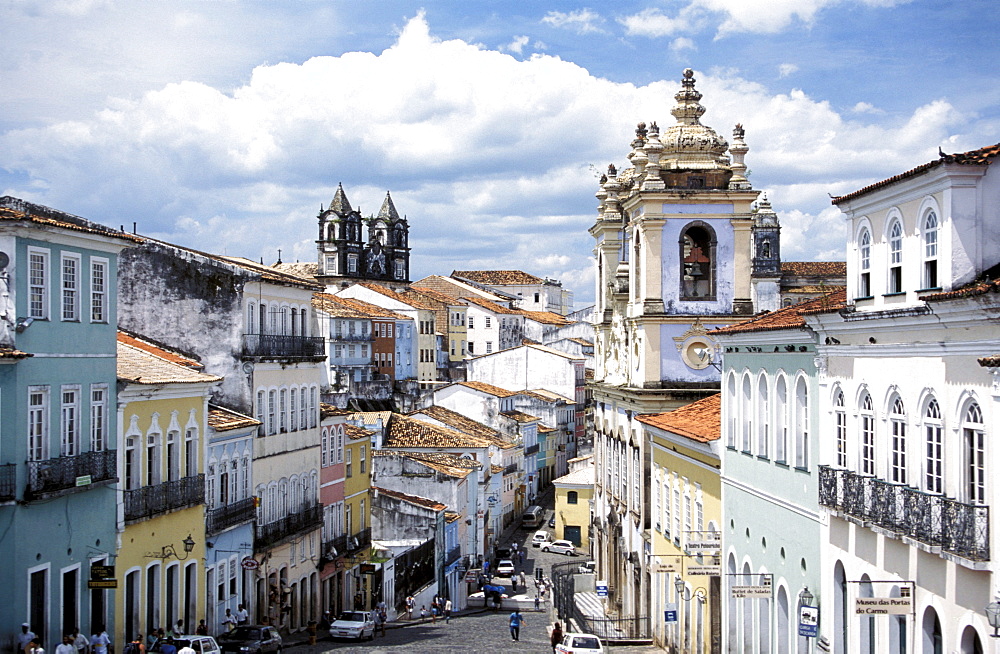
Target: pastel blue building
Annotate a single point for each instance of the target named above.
(58, 468)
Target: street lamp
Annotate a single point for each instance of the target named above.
(168, 550)
(993, 615)
(805, 597)
(684, 592)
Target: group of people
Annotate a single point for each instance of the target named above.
(440, 607)
(230, 621)
(74, 643)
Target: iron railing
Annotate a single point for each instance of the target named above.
(454, 554)
(230, 515)
(359, 541)
(335, 547)
(351, 337)
(282, 346)
(272, 533)
(605, 627)
(531, 449)
(511, 469)
(66, 472)
(956, 527)
(8, 482)
(148, 501)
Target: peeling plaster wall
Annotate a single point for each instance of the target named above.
(189, 303)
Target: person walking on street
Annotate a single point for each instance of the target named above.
(410, 603)
(556, 636)
(100, 641)
(81, 642)
(516, 620)
(447, 610)
(66, 646)
(536, 601)
(524, 582)
(25, 637)
(379, 623)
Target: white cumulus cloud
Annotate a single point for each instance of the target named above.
(581, 21)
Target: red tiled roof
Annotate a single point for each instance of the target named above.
(11, 353)
(546, 317)
(969, 290)
(980, 157)
(788, 317)
(408, 300)
(16, 209)
(356, 433)
(815, 268)
(990, 362)
(412, 499)
(498, 277)
(157, 350)
(487, 388)
(223, 419)
(700, 421)
(437, 295)
(405, 432)
(491, 306)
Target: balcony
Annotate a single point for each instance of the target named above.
(454, 554)
(275, 532)
(8, 482)
(150, 501)
(334, 547)
(278, 346)
(350, 337)
(230, 515)
(934, 520)
(531, 450)
(67, 472)
(511, 469)
(359, 541)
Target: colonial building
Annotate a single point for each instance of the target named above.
(162, 417)
(58, 433)
(532, 293)
(348, 255)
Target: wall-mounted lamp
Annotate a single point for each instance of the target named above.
(993, 615)
(168, 550)
(805, 597)
(685, 592)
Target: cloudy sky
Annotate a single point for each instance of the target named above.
(224, 125)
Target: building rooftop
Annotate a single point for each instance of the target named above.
(584, 475)
(411, 499)
(17, 210)
(700, 421)
(407, 299)
(519, 416)
(787, 317)
(405, 432)
(139, 363)
(222, 419)
(815, 268)
(498, 277)
(356, 433)
(446, 463)
(464, 424)
(489, 389)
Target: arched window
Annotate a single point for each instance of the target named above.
(746, 411)
(801, 424)
(733, 413)
(763, 425)
(780, 420)
(865, 264)
(251, 326)
(867, 420)
(840, 420)
(934, 463)
(571, 497)
(930, 233)
(975, 455)
(896, 257)
(697, 262)
(897, 428)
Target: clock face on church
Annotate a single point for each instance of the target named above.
(697, 353)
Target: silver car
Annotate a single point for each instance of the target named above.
(560, 547)
(354, 624)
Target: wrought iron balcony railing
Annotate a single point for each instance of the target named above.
(272, 533)
(67, 472)
(280, 346)
(8, 482)
(349, 337)
(334, 547)
(511, 469)
(359, 541)
(956, 527)
(148, 501)
(531, 449)
(230, 515)
(453, 555)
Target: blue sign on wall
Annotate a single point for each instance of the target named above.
(670, 616)
(809, 621)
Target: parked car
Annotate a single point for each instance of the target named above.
(560, 547)
(552, 521)
(501, 553)
(200, 644)
(580, 644)
(541, 536)
(505, 568)
(255, 639)
(354, 624)
(587, 567)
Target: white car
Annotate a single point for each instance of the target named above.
(560, 547)
(505, 568)
(354, 624)
(541, 536)
(580, 644)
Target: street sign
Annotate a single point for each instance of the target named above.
(102, 571)
(703, 546)
(706, 570)
(102, 583)
(750, 592)
(602, 588)
(85, 480)
(883, 605)
(472, 576)
(809, 621)
(669, 566)
(670, 614)
(250, 563)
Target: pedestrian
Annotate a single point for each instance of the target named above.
(167, 647)
(536, 601)
(447, 610)
(34, 647)
(556, 636)
(179, 628)
(228, 620)
(25, 637)
(521, 556)
(324, 622)
(423, 611)
(524, 582)
(100, 641)
(135, 646)
(201, 629)
(434, 610)
(379, 623)
(513, 546)
(410, 603)
(66, 646)
(242, 615)
(81, 642)
(515, 621)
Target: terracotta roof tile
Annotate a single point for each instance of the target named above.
(269, 273)
(405, 432)
(336, 307)
(491, 306)
(17, 210)
(137, 365)
(700, 421)
(446, 463)
(158, 350)
(329, 410)
(304, 270)
(990, 362)
(980, 157)
(498, 277)
(519, 416)
(489, 389)
(495, 469)
(437, 295)
(223, 419)
(787, 317)
(981, 287)
(813, 289)
(11, 353)
(546, 317)
(464, 424)
(412, 499)
(408, 300)
(815, 268)
(356, 433)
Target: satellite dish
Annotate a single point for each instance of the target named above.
(248, 367)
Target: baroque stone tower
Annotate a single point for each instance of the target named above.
(349, 253)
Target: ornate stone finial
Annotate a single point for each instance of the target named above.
(604, 178)
(654, 128)
(739, 151)
(640, 131)
(612, 171)
(688, 73)
(689, 145)
(738, 131)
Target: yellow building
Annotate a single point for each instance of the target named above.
(574, 492)
(162, 413)
(685, 525)
(357, 511)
